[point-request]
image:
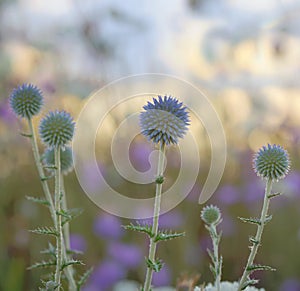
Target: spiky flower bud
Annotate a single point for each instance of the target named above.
(165, 120)
(211, 214)
(26, 100)
(57, 128)
(66, 159)
(271, 162)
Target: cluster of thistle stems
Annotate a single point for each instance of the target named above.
(250, 267)
(62, 233)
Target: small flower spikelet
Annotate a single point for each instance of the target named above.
(165, 120)
(271, 162)
(66, 159)
(211, 214)
(57, 128)
(26, 100)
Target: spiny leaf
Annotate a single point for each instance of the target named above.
(274, 195)
(258, 267)
(71, 262)
(210, 253)
(141, 228)
(268, 219)
(38, 200)
(73, 252)
(253, 240)
(69, 214)
(42, 264)
(26, 134)
(83, 278)
(163, 235)
(49, 251)
(45, 230)
(250, 220)
(154, 265)
(46, 178)
(249, 282)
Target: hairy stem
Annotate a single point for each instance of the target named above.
(152, 247)
(57, 200)
(217, 263)
(66, 233)
(37, 159)
(260, 228)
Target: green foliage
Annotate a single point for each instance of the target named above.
(42, 264)
(258, 267)
(145, 228)
(274, 195)
(154, 265)
(49, 251)
(71, 262)
(45, 230)
(38, 200)
(70, 214)
(167, 235)
(249, 282)
(83, 278)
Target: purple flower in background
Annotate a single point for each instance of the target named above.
(139, 155)
(129, 255)
(106, 275)
(291, 284)
(91, 179)
(77, 242)
(171, 219)
(107, 226)
(292, 182)
(163, 277)
(6, 113)
(228, 194)
(253, 191)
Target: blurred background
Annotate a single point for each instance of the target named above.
(244, 55)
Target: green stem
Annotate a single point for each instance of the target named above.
(258, 235)
(37, 159)
(40, 169)
(57, 200)
(66, 232)
(217, 263)
(152, 247)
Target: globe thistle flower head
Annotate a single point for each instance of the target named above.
(26, 100)
(211, 215)
(165, 120)
(57, 128)
(271, 162)
(66, 159)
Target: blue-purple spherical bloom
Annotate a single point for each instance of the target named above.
(26, 100)
(57, 129)
(66, 159)
(165, 120)
(271, 162)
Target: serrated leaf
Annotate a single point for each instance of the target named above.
(140, 228)
(274, 195)
(253, 240)
(49, 251)
(251, 220)
(83, 278)
(163, 236)
(26, 134)
(45, 230)
(42, 264)
(211, 255)
(73, 252)
(258, 267)
(249, 282)
(38, 200)
(71, 262)
(69, 214)
(268, 219)
(154, 265)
